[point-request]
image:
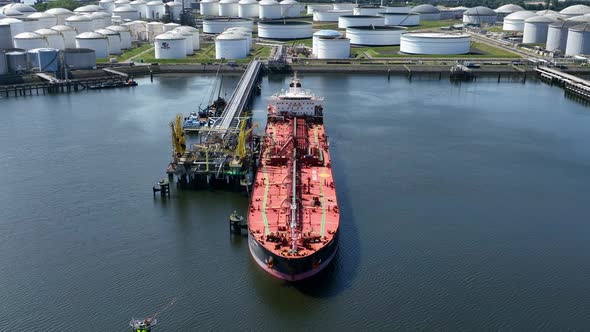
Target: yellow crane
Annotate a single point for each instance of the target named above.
(178, 142)
(242, 136)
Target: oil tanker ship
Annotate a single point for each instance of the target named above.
(293, 218)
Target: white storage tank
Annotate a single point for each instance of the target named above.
(16, 25)
(578, 40)
(580, 19)
(80, 58)
(9, 12)
(244, 32)
(284, 29)
(324, 34)
(228, 8)
(427, 12)
(170, 46)
(5, 36)
(575, 10)
(153, 29)
(30, 24)
(331, 48)
(506, 10)
(3, 63)
(535, 29)
(515, 21)
(140, 6)
(126, 12)
(230, 46)
(269, 9)
(122, 3)
(170, 26)
(61, 14)
(107, 5)
(68, 34)
(435, 43)
(209, 7)
(239, 33)
(368, 10)
(124, 33)
(44, 20)
(317, 7)
(113, 39)
(54, 38)
(344, 6)
(290, 8)
(24, 9)
(88, 9)
(94, 41)
(17, 61)
(330, 15)
(406, 20)
(97, 21)
(375, 35)
(29, 41)
(479, 15)
(155, 9)
(398, 10)
(248, 9)
(194, 35)
(557, 35)
(346, 21)
(174, 10)
(188, 40)
(80, 23)
(220, 24)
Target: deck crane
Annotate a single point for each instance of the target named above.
(241, 148)
(178, 142)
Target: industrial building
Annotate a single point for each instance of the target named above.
(435, 43)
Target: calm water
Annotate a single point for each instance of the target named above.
(463, 208)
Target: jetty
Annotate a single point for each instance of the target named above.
(572, 84)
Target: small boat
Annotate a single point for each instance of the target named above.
(142, 325)
(192, 121)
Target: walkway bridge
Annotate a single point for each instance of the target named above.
(572, 84)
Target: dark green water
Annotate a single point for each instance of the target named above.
(463, 208)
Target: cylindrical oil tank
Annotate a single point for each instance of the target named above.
(480, 15)
(113, 39)
(332, 48)
(230, 46)
(506, 10)
(290, 8)
(284, 29)
(269, 9)
(174, 10)
(578, 40)
(248, 9)
(427, 12)
(153, 29)
(557, 35)
(10, 12)
(375, 35)
(368, 10)
(126, 12)
(580, 19)
(188, 40)
(46, 59)
(435, 43)
(88, 9)
(244, 32)
(54, 39)
(121, 3)
(80, 23)
(79, 58)
(68, 33)
(535, 29)
(398, 10)
(107, 5)
(29, 40)
(313, 8)
(30, 24)
(406, 20)
(140, 6)
(16, 26)
(228, 8)
(97, 21)
(194, 35)
(170, 26)
(323, 34)
(344, 6)
(3, 63)
(124, 33)
(5, 36)
(170, 46)
(515, 21)
(360, 20)
(155, 9)
(44, 20)
(575, 10)
(106, 18)
(17, 61)
(220, 24)
(94, 41)
(330, 15)
(61, 14)
(209, 8)
(244, 37)
(25, 9)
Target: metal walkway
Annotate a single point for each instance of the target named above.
(571, 83)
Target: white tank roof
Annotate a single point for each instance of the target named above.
(2, 15)
(509, 8)
(125, 9)
(288, 2)
(186, 28)
(584, 27)
(119, 28)
(245, 2)
(479, 11)
(47, 32)
(268, 2)
(576, 10)
(173, 4)
(581, 18)
(88, 9)
(28, 35)
(9, 20)
(521, 15)
(169, 36)
(90, 35)
(59, 11)
(78, 18)
(11, 12)
(155, 3)
(546, 11)
(230, 36)
(228, 1)
(41, 15)
(100, 14)
(106, 32)
(437, 35)
(328, 34)
(425, 9)
(62, 28)
(122, 2)
(21, 7)
(138, 2)
(539, 19)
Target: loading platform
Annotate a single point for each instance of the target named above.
(572, 84)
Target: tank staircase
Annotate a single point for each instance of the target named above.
(571, 84)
